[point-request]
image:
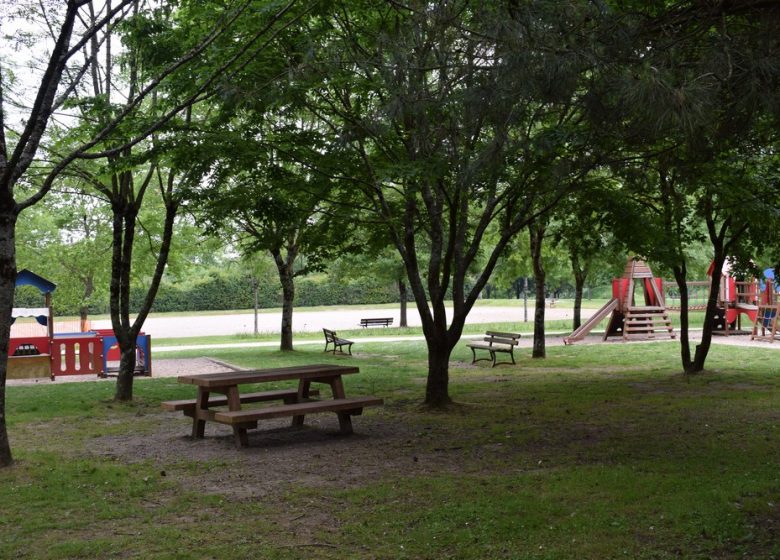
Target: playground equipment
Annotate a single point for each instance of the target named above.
(629, 320)
(768, 312)
(735, 298)
(47, 354)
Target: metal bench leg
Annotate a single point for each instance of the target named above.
(473, 356)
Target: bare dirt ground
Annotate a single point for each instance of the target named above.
(316, 455)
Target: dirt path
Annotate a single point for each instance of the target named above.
(315, 321)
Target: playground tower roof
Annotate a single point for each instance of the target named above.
(26, 278)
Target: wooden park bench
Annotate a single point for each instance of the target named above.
(338, 343)
(376, 322)
(495, 342)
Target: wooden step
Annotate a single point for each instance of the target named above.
(649, 337)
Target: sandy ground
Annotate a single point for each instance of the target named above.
(314, 321)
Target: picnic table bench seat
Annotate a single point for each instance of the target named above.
(338, 343)
(345, 408)
(187, 406)
(495, 342)
(375, 322)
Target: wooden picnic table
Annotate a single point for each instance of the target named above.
(297, 402)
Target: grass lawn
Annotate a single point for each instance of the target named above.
(520, 327)
(597, 452)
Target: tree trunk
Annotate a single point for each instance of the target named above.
(680, 276)
(7, 285)
(403, 295)
(284, 267)
(125, 213)
(709, 316)
(437, 387)
(83, 318)
(580, 275)
(89, 289)
(124, 381)
(288, 295)
(537, 236)
(123, 237)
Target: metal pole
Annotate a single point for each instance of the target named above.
(255, 285)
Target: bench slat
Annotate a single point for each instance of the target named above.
(513, 336)
(386, 321)
(488, 346)
(297, 409)
(221, 400)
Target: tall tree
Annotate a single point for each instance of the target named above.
(432, 103)
(73, 25)
(688, 105)
(266, 205)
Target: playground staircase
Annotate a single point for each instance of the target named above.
(643, 323)
(650, 320)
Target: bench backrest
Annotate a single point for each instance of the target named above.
(329, 335)
(499, 340)
(514, 336)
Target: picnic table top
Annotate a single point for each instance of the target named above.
(262, 375)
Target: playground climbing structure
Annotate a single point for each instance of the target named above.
(632, 317)
(766, 316)
(41, 352)
(735, 299)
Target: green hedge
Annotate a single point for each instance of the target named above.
(219, 292)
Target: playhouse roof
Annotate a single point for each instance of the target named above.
(26, 278)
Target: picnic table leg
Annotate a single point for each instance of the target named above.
(345, 422)
(198, 422)
(303, 394)
(345, 419)
(234, 403)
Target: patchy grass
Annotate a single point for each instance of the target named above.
(599, 451)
